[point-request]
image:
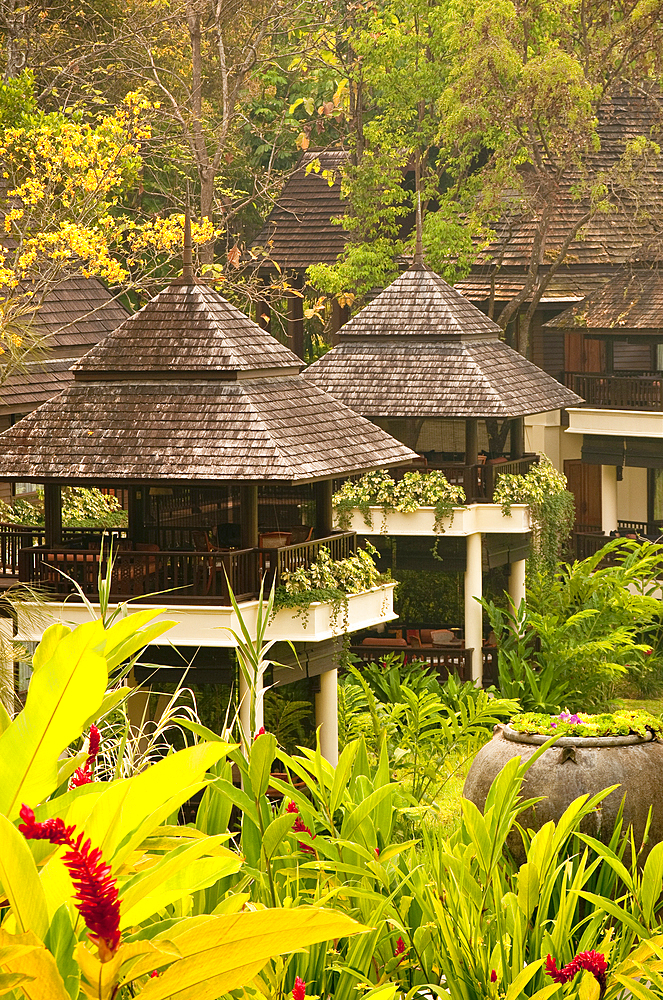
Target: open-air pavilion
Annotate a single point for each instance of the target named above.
(229, 457)
(426, 365)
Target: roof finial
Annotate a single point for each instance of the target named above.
(187, 256)
(419, 245)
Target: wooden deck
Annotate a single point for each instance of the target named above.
(181, 577)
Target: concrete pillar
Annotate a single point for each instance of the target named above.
(473, 610)
(7, 689)
(608, 498)
(326, 715)
(324, 513)
(248, 515)
(53, 514)
(245, 706)
(517, 591)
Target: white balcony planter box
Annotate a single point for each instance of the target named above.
(485, 517)
(204, 625)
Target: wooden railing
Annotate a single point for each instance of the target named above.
(618, 392)
(479, 481)
(14, 537)
(292, 557)
(589, 538)
(444, 659)
(172, 576)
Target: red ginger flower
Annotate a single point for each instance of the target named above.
(83, 775)
(299, 989)
(400, 947)
(493, 976)
(591, 961)
(261, 732)
(300, 827)
(96, 889)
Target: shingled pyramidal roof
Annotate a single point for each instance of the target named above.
(627, 302)
(189, 389)
(420, 349)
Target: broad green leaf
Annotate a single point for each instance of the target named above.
(275, 832)
(8, 980)
(100, 978)
(528, 888)
(45, 980)
(5, 718)
(652, 881)
(174, 875)
(67, 687)
(355, 818)
(548, 991)
(20, 881)
(111, 700)
(342, 775)
(61, 942)
(637, 989)
(227, 952)
(620, 914)
(263, 752)
(522, 979)
(127, 635)
(589, 989)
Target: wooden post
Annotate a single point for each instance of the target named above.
(339, 317)
(471, 457)
(136, 513)
(517, 437)
(248, 514)
(296, 318)
(471, 440)
(53, 514)
(324, 512)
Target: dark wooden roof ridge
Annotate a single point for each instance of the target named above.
(420, 303)
(187, 328)
(631, 300)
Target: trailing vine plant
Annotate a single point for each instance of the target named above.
(329, 581)
(552, 509)
(414, 490)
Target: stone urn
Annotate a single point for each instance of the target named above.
(576, 766)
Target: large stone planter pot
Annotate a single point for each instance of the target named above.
(577, 766)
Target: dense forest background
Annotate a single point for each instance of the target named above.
(116, 114)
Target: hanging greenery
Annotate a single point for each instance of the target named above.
(414, 490)
(81, 508)
(552, 509)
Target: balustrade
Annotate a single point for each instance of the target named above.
(620, 392)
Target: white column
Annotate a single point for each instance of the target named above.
(326, 715)
(473, 610)
(7, 664)
(608, 498)
(517, 582)
(245, 706)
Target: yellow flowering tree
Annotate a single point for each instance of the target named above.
(64, 182)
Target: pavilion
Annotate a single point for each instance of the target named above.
(429, 367)
(228, 455)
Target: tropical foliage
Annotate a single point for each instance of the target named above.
(622, 723)
(551, 505)
(82, 507)
(411, 491)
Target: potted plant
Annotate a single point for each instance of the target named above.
(620, 750)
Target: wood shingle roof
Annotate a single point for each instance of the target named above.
(420, 349)
(187, 327)
(629, 301)
(149, 404)
(609, 240)
(299, 230)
